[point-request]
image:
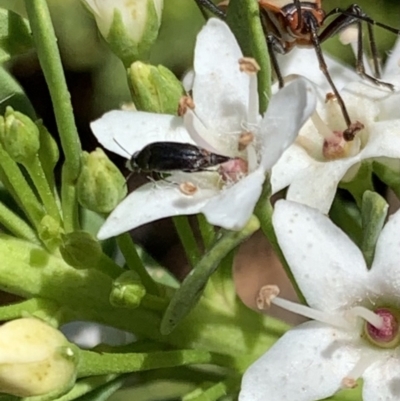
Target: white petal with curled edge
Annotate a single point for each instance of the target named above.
(304, 62)
(150, 202)
(385, 270)
(328, 267)
(220, 90)
(381, 380)
(233, 207)
(384, 140)
(308, 363)
(316, 186)
(287, 111)
(125, 132)
(391, 70)
(293, 160)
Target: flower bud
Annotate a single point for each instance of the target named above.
(80, 250)
(155, 89)
(130, 27)
(50, 231)
(101, 186)
(19, 136)
(35, 359)
(128, 291)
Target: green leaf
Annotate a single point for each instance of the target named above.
(11, 94)
(15, 35)
(192, 287)
(388, 171)
(244, 19)
(373, 213)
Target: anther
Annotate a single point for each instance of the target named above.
(245, 139)
(188, 188)
(249, 65)
(266, 295)
(185, 102)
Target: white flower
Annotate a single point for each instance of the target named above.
(320, 157)
(346, 300)
(133, 14)
(226, 106)
(35, 359)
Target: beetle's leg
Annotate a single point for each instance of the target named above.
(275, 46)
(210, 6)
(351, 15)
(350, 132)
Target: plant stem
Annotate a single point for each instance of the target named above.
(264, 211)
(207, 230)
(187, 239)
(50, 61)
(25, 196)
(16, 225)
(134, 263)
(93, 363)
(46, 194)
(32, 306)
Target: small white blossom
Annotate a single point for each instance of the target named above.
(355, 314)
(134, 15)
(320, 157)
(225, 108)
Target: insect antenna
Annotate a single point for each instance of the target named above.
(124, 149)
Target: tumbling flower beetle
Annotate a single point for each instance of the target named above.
(290, 23)
(169, 156)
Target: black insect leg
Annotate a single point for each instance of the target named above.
(351, 130)
(210, 6)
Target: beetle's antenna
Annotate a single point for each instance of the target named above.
(299, 13)
(124, 149)
(210, 6)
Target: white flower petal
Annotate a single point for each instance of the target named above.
(125, 132)
(389, 107)
(150, 202)
(308, 363)
(392, 65)
(293, 160)
(220, 90)
(329, 268)
(382, 380)
(316, 186)
(287, 111)
(304, 62)
(384, 140)
(385, 270)
(233, 207)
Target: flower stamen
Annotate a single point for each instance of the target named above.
(268, 295)
(185, 103)
(248, 65)
(188, 188)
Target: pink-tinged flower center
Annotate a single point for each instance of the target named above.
(386, 336)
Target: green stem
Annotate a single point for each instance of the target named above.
(134, 263)
(38, 177)
(16, 225)
(45, 307)
(264, 211)
(187, 239)
(50, 61)
(69, 204)
(207, 230)
(26, 198)
(93, 363)
(109, 267)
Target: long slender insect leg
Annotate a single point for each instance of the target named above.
(351, 129)
(210, 6)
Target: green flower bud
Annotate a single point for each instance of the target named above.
(128, 291)
(155, 89)
(35, 359)
(130, 27)
(19, 136)
(50, 232)
(101, 186)
(80, 250)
